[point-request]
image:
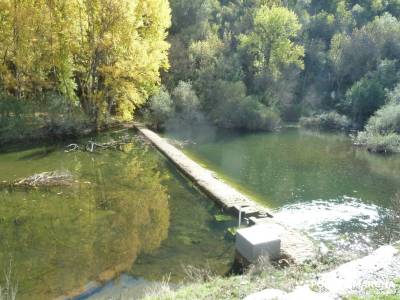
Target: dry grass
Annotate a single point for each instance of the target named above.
(10, 288)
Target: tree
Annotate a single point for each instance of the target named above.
(270, 45)
(122, 55)
(105, 53)
(367, 95)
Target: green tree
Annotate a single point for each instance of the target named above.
(368, 94)
(270, 44)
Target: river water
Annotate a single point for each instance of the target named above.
(126, 210)
(317, 182)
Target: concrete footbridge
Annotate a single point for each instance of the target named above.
(265, 235)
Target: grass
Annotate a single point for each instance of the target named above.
(10, 288)
(258, 277)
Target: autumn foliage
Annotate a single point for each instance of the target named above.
(103, 56)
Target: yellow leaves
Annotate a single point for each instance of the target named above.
(110, 50)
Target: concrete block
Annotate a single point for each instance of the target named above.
(258, 240)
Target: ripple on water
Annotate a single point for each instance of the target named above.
(347, 225)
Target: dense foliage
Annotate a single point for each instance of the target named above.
(331, 62)
(102, 57)
(238, 64)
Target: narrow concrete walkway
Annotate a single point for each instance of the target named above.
(294, 244)
(226, 196)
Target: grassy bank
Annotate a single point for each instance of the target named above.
(258, 277)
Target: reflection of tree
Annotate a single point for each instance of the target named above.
(61, 241)
(387, 166)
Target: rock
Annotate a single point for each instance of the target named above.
(257, 241)
(269, 294)
(377, 271)
(300, 293)
(304, 292)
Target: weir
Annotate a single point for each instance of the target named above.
(294, 244)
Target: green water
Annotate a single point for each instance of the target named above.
(126, 211)
(314, 181)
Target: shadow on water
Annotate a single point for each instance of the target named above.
(39, 154)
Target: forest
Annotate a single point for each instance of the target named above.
(68, 65)
(141, 139)
(242, 64)
(253, 65)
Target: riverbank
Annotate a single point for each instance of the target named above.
(373, 277)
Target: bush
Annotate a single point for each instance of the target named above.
(236, 110)
(368, 94)
(176, 111)
(161, 109)
(382, 132)
(386, 120)
(326, 121)
(187, 104)
(378, 143)
(52, 116)
(394, 95)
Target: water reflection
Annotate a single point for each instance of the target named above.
(61, 238)
(290, 169)
(127, 210)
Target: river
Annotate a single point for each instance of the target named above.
(316, 182)
(126, 211)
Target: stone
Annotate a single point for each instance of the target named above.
(268, 294)
(375, 271)
(304, 292)
(256, 241)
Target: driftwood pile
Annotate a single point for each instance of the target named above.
(92, 146)
(46, 179)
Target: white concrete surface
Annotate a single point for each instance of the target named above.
(258, 240)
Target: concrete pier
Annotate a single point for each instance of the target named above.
(256, 241)
(293, 243)
(226, 196)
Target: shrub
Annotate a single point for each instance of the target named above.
(394, 95)
(382, 132)
(326, 121)
(236, 110)
(368, 94)
(386, 120)
(378, 143)
(186, 102)
(51, 116)
(160, 108)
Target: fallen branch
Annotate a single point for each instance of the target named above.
(91, 146)
(46, 179)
